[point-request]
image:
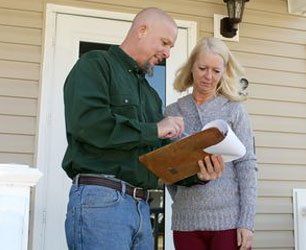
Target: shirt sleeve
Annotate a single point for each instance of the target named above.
(246, 171)
(89, 117)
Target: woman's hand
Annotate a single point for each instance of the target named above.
(244, 238)
(211, 168)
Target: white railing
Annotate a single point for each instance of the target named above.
(15, 183)
(297, 7)
(299, 212)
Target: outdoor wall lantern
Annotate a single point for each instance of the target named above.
(229, 25)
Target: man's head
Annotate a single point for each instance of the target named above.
(150, 38)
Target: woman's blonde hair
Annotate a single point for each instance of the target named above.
(229, 85)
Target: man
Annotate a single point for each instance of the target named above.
(112, 117)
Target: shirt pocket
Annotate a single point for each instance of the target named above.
(124, 105)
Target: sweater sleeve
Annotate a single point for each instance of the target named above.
(246, 170)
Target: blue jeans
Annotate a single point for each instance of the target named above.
(103, 218)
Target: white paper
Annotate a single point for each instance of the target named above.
(230, 148)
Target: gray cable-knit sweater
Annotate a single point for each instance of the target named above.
(228, 202)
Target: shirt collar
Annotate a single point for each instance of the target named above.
(126, 60)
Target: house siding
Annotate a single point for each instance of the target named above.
(272, 49)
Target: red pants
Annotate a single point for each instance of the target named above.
(206, 240)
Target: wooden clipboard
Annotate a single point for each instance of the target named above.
(179, 160)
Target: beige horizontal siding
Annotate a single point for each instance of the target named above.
(18, 106)
(272, 6)
(271, 62)
(280, 140)
(25, 125)
(285, 35)
(274, 239)
(18, 88)
(278, 248)
(19, 70)
(281, 93)
(262, 32)
(271, 48)
(16, 158)
(276, 108)
(274, 205)
(20, 57)
(33, 5)
(17, 143)
(275, 6)
(21, 18)
(291, 172)
(277, 222)
(193, 7)
(275, 77)
(20, 52)
(281, 155)
(278, 124)
(273, 19)
(281, 189)
(21, 35)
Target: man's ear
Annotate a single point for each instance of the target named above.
(142, 31)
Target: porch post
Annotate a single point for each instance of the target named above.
(15, 183)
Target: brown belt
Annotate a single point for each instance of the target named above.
(135, 192)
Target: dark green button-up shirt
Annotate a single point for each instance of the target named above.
(111, 114)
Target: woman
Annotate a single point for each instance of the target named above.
(218, 215)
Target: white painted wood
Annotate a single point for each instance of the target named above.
(217, 29)
(65, 27)
(299, 213)
(297, 7)
(15, 183)
(17, 174)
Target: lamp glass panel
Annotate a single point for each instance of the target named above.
(238, 9)
(231, 8)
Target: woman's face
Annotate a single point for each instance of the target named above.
(207, 71)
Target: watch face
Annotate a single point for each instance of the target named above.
(244, 83)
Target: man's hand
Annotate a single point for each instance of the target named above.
(211, 168)
(170, 127)
(244, 238)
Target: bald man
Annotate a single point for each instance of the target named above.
(112, 117)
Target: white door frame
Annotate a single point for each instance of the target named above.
(42, 147)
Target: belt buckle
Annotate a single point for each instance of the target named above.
(134, 193)
(76, 179)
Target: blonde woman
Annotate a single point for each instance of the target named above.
(218, 215)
